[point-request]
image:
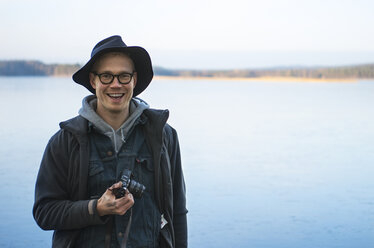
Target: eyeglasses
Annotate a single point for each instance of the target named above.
(107, 78)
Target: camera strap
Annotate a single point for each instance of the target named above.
(137, 143)
(127, 231)
(108, 234)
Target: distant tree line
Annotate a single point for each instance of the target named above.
(342, 72)
(37, 68)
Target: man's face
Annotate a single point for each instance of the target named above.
(113, 98)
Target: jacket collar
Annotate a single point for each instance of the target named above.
(79, 125)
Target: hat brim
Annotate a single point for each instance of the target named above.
(142, 63)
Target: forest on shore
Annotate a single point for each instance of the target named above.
(37, 68)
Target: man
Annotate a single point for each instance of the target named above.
(116, 139)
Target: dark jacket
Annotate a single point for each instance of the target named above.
(61, 197)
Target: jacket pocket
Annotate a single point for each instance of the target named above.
(95, 179)
(95, 168)
(144, 172)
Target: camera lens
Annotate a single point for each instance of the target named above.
(133, 186)
(136, 188)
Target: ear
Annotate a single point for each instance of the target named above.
(92, 80)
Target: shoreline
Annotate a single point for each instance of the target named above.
(238, 79)
(264, 79)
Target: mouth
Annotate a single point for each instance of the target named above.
(116, 95)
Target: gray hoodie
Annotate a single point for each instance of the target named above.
(118, 137)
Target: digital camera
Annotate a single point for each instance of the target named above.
(135, 188)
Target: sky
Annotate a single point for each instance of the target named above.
(193, 34)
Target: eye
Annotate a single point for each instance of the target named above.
(125, 77)
(106, 76)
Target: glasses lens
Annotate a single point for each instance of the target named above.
(106, 78)
(124, 78)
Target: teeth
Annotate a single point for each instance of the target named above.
(116, 95)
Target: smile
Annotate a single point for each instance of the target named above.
(116, 95)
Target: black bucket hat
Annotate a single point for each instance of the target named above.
(140, 57)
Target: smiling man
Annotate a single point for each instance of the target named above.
(113, 93)
(112, 176)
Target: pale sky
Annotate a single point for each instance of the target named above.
(193, 34)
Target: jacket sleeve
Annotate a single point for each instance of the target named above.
(179, 192)
(56, 205)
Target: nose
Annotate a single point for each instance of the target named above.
(115, 83)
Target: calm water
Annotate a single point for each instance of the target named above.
(267, 165)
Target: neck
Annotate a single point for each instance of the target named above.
(114, 119)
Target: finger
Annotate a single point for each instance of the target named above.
(123, 209)
(116, 185)
(127, 201)
(131, 196)
(108, 195)
(127, 198)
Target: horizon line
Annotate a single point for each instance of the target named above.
(284, 66)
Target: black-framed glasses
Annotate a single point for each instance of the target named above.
(107, 78)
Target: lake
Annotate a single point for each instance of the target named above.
(267, 164)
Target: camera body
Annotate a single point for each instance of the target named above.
(135, 188)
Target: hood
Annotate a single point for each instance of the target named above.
(88, 111)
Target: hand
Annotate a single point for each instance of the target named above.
(108, 204)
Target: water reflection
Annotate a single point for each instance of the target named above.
(266, 164)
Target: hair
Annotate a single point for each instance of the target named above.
(113, 54)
